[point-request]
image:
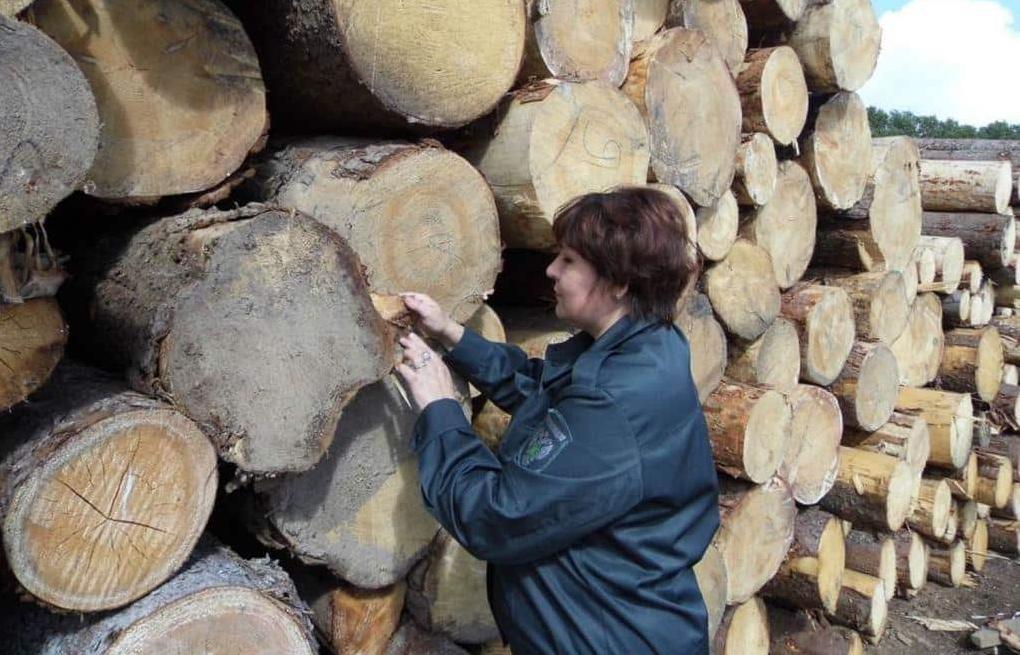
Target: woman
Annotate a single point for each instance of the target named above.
(603, 494)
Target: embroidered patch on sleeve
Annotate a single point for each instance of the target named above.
(547, 440)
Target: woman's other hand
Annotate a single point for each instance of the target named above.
(424, 373)
(432, 320)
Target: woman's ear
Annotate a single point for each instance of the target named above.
(620, 292)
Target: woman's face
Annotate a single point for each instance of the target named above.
(582, 298)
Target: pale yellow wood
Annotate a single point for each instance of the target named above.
(838, 44)
(980, 186)
(837, 155)
(757, 170)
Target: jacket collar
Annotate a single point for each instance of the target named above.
(567, 352)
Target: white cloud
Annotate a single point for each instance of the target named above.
(951, 58)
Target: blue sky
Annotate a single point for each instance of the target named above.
(951, 58)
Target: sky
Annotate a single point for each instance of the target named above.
(952, 58)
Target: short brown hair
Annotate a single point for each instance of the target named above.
(633, 236)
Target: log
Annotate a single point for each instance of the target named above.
(707, 341)
(209, 96)
(447, 594)
(956, 308)
(785, 227)
(1004, 537)
(534, 329)
(490, 423)
(773, 93)
(104, 491)
(10, 8)
(552, 142)
(871, 489)
(32, 340)
(837, 152)
(772, 14)
(717, 227)
(419, 217)
(1006, 405)
(948, 252)
(947, 565)
(879, 301)
(410, 639)
(976, 150)
(743, 290)
(995, 478)
(962, 481)
(930, 515)
(744, 629)
(757, 170)
(867, 386)
(911, 562)
(772, 360)
(966, 518)
(874, 555)
(972, 360)
(811, 460)
(988, 238)
(217, 603)
(49, 127)
(182, 304)
(693, 150)
(904, 436)
(977, 547)
(924, 257)
(966, 186)
(813, 571)
(649, 17)
(757, 527)
(862, 605)
(710, 573)
(973, 275)
(824, 320)
(798, 633)
(837, 42)
(577, 43)
(950, 419)
(918, 349)
(359, 512)
(910, 281)
(722, 22)
(749, 428)
(860, 246)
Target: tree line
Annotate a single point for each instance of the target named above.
(896, 123)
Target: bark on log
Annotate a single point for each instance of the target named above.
(949, 261)
(757, 170)
(552, 142)
(918, 349)
(717, 227)
(49, 127)
(749, 428)
(947, 565)
(418, 216)
(707, 341)
(977, 547)
(879, 300)
(185, 302)
(755, 534)
(797, 633)
(837, 151)
(722, 21)
(837, 42)
(930, 515)
(104, 492)
(973, 276)
(1004, 537)
(867, 386)
(976, 150)
(743, 290)
(904, 436)
(874, 555)
(824, 320)
(813, 571)
(966, 186)
(693, 150)
(966, 518)
(871, 489)
(208, 96)
(950, 418)
(862, 605)
(859, 245)
(911, 562)
(649, 17)
(773, 93)
(995, 478)
(1006, 406)
(338, 67)
(972, 360)
(217, 603)
(785, 227)
(711, 575)
(577, 41)
(956, 308)
(988, 238)
(744, 630)
(32, 339)
(447, 594)
(772, 360)
(812, 455)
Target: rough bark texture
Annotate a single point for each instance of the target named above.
(708, 343)
(749, 428)
(811, 460)
(862, 605)
(874, 555)
(976, 150)
(837, 152)
(904, 436)
(947, 566)
(972, 361)
(773, 93)
(813, 570)
(1004, 537)
(871, 489)
(825, 326)
(757, 170)
(743, 290)
(968, 186)
(880, 303)
(987, 238)
(837, 42)
(722, 21)
(49, 127)
(799, 633)
(211, 310)
(32, 339)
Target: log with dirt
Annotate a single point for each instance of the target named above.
(201, 308)
(797, 632)
(49, 127)
(773, 359)
(693, 150)
(837, 42)
(880, 303)
(813, 571)
(812, 454)
(577, 42)
(419, 217)
(947, 564)
(743, 290)
(178, 89)
(104, 491)
(757, 528)
(862, 605)
(551, 142)
(749, 428)
(904, 436)
(976, 150)
(987, 238)
(785, 227)
(338, 67)
(717, 227)
(757, 170)
(824, 320)
(707, 341)
(972, 361)
(744, 630)
(32, 340)
(874, 554)
(871, 489)
(867, 386)
(930, 515)
(218, 602)
(773, 93)
(966, 186)
(837, 151)
(918, 349)
(722, 21)
(950, 419)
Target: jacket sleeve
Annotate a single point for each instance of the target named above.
(502, 372)
(579, 471)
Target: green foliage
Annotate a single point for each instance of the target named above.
(895, 123)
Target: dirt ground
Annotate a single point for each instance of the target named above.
(997, 591)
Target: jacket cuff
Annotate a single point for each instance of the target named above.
(439, 416)
(470, 351)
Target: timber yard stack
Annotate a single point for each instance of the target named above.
(853, 335)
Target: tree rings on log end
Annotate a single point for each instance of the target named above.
(837, 153)
(811, 460)
(771, 360)
(894, 211)
(773, 93)
(767, 436)
(876, 387)
(785, 227)
(826, 321)
(838, 44)
(82, 532)
(32, 339)
(743, 290)
(579, 41)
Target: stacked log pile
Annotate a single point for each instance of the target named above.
(852, 335)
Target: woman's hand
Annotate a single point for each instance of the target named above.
(424, 373)
(432, 320)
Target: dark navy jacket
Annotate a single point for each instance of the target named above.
(601, 498)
